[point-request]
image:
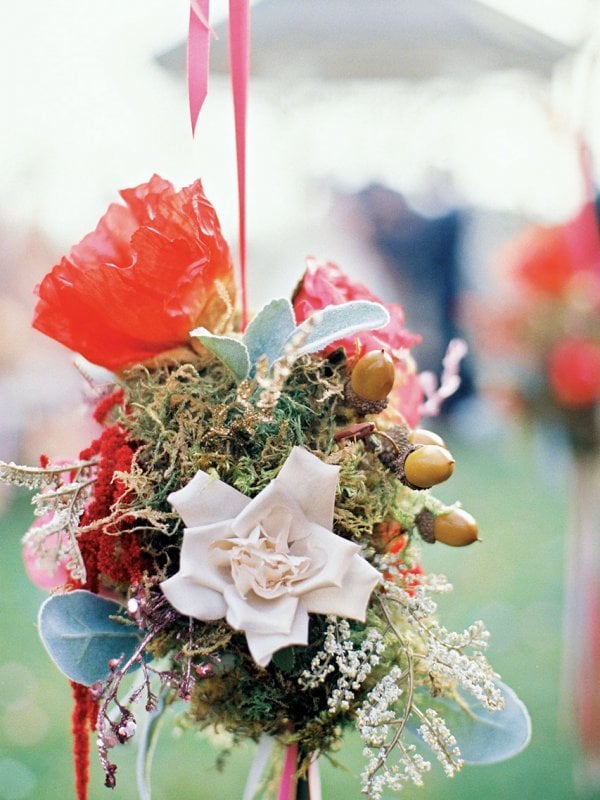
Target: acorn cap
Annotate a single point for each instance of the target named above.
(361, 404)
(427, 465)
(425, 521)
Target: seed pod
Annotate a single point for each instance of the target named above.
(428, 465)
(456, 528)
(423, 436)
(373, 376)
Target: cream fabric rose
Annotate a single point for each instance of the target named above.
(265, 563)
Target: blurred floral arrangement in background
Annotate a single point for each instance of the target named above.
(548, 329)
(244, 532)
(540, 339)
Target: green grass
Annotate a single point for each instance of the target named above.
(513, 580)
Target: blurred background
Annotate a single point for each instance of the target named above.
(410, 142)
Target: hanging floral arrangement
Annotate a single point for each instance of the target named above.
(245, 531)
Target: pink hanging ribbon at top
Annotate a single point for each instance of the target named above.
(198, 57)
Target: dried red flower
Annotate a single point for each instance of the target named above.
(574, 371)
(326, 284)
(153, 269)
(110, 551)
(83, 721)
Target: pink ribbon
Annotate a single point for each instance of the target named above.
(239, 61)
(198, 54)
(287, 785)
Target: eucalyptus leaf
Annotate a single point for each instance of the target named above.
(337, 322)
(81, 636)
(269, 331)
(146, 748)
(486, 737)
(232, 352)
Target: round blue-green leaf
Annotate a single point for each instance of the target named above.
(486, 737)
(81, 636)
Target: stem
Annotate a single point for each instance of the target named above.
(302, 789)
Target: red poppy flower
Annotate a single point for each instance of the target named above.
(153, 269)
(574, 371)
(326, 284)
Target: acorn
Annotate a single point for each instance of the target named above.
(427, 465)
(371, 381)
(423, 436)
(373, 375)
(455, 527)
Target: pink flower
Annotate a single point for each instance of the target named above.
(326, 284)
(43, 568)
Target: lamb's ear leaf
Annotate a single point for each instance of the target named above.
(270, 330)
(485, 737)
(232, 352)
(81, 634)
(336, 322)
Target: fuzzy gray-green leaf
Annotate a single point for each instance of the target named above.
(337, 322)
(269, 331)
(232, 352)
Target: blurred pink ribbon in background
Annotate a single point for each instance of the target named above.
(198, 65)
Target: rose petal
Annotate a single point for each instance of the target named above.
(258, 615)
(262, 646)
(271, 509)
(352, 599)
(206, 499)
(311, 483)
(193, 600)
(337, 557)
(196, 549)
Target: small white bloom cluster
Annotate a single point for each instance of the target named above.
(378, 776)
(438, 737)
(447, 664)
(377, 711)
(353, 665)
(445, 656)
(375, 721)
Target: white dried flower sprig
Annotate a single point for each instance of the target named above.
(381, 729)
(438, 737)
(64, 492)
(447, 659)
(353, 665)
(451, 659)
